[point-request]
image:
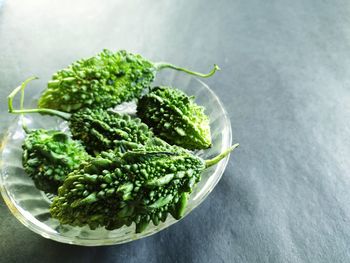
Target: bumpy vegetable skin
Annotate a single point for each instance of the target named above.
(98, 129)
(140, 186)
(102, 81)
(175, 117)
(49, 156)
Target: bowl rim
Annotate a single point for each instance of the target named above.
(46, 232)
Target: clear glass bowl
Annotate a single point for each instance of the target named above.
(31, 206)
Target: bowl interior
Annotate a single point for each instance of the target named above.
(31, 206)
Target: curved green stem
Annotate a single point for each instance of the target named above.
(23, 86)
(15, 91)
(51, 112)
(21, 105)
(221, 156)
(60, 114)
(161, 65)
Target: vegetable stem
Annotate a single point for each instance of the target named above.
(57, 113)
(162, 65)
(24, 126)
(60, 114)
(15, 91)
(221, 156)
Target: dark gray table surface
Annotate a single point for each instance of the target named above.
(285, 196)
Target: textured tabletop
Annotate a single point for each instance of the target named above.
(285, 82)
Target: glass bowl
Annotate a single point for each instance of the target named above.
(31, 206)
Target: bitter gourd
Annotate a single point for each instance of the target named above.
(175, 117)
(49, 156)
(103, 81)
(140, 186)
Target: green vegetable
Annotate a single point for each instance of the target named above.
(98, 129)
(103, 81)
(175, 117)
(49, 156)
(140, 186)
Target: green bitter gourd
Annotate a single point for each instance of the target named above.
(175, 117)
(140, 186)
(48, 155)
(103, 81)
